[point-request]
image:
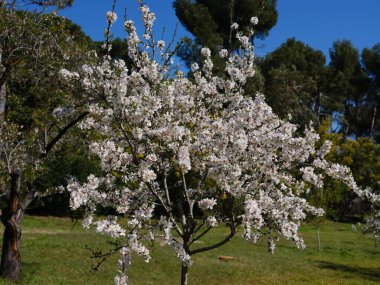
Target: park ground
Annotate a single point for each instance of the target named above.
(54, 251)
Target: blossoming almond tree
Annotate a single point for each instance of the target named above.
(183, 146)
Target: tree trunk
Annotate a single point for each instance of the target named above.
(3, 98)
(317, 109)
(346, 204)
(184, 272)
(346, 120)
(372, 130)
(3, 88)
(318, 238)
(11, 218)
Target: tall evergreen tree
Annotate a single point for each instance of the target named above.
(371, 61)
(295, 73)
(348, 89)
(210, 22)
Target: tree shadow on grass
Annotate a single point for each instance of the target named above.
(372, 274)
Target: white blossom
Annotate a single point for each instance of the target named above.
(211, 221)
(207, 203)
(206, 52)
(161, 45)
(129, 25)
(254, 21)
(110, 227)
(194, 67)
(223, 53)
(235, 26)
(184, 159)
(111, 17)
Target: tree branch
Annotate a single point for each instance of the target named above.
(224, 241)
(63, 132)
(201, 235)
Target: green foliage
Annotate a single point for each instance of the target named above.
(371, 60)
(363, 157)
(59, 4)
(33, 62)
(210, 20)
(290, 86)
(296, 55)
(295, 73)
(34, 48)
(347, 91)
(69, 160)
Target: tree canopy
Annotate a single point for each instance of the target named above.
(210, 23)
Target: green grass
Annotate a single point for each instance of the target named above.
(54, 252)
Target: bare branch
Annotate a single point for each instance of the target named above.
(216, 245)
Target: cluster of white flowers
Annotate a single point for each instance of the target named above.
(68, 74)
(110, 227)
(235, 26)
(223, 53)
(178, 143)
(184, 159)
(211, 221)
(372, 226)
(111, 17)
(207, 204)
(161, 45)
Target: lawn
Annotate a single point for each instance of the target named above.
(54, 252)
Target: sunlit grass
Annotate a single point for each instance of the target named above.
(54, 252)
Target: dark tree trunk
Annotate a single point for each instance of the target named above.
(372, 130)
(3, 87)
(184, 272)
(346, 204)
(317, 108)
(346, 120)
(3, 98)
(11, 259)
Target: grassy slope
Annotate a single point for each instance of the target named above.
(53, 252)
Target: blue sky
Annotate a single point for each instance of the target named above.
(315, 22)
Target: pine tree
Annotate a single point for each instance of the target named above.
(210, 22)
(348, 87)
(295, 73)
(371, 60)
